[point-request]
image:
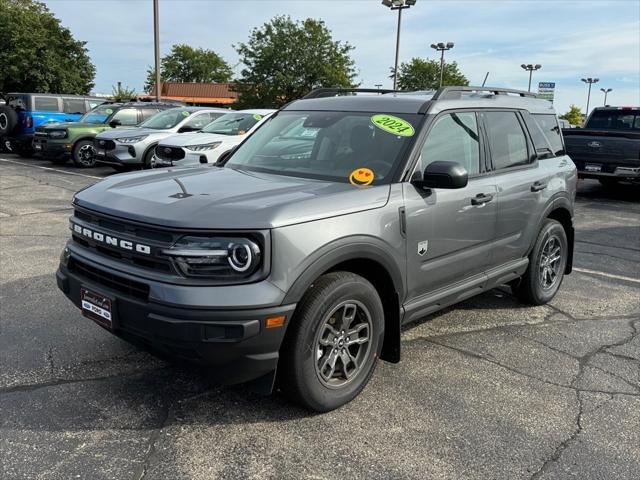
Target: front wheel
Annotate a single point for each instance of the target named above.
(84, 155)
(334, 342)
(547, 262)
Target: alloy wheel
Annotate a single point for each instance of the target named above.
(343, 344)
(550, 262)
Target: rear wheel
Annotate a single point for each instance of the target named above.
(84, 154)
(547, 263)
(8, 120)
(333, 342)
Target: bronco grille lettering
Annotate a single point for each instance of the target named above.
(110, 240)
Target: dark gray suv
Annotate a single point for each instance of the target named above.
(298, 256)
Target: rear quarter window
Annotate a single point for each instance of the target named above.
(73, 105)
(46, 104)
(549, 127)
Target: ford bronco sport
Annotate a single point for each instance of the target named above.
(304, 252)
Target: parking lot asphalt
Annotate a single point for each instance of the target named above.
(487, 389)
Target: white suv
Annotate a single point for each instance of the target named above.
(207, 145)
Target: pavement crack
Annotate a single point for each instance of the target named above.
(142, 471)
(8, 215)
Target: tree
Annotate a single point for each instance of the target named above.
(421, 74)
(573, 116)
(285, 60)
(37, 54)
(188, 64)
(122, 94)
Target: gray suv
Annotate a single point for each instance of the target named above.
(296, 258)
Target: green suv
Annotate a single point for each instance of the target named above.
(60, 141)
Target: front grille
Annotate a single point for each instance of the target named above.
(104, 144)
(96, 275)
(169, 153)
(156, 239)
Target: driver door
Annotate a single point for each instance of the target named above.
(450, 232)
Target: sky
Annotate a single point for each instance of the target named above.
(571, 39)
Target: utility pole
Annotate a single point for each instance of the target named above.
(530, 68)
(442, 47)
(398, 5)
(156, 45)
(590, 81)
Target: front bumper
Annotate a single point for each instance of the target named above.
(190, 159)
(49, 149)
(129, 154)
(236, 342)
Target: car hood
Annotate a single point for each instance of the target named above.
(196, 138)
(211, 197)
(59, 125)
(132, 132)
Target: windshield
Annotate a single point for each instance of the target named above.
(347, 147)
(166, 119)
(98, 114)
(615, 120)
(233, 124)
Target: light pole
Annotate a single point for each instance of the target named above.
(378, 85)
(590, 81)
(606, 92)
(442, 47)
(398, 5)
(156, 45)
(530, 68)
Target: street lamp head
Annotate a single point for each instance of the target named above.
(434, 46)
(410, 3)
(596, 80)
(538, 66)
(450, 44)
(523, 66)
(387, 3)
(584, 80)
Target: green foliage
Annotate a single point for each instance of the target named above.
(285, 60)
(573, 116)
(188, 64)
(122, 94)
(37, 54)
(421, 74)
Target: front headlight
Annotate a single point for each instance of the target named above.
(57, 133)
(203, 147)
(232, 258)
(137, 139)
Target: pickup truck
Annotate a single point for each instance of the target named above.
(608, 147)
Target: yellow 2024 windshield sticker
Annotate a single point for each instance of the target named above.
(185, 113)
(257, 116)
(361, 177)
(392, 124)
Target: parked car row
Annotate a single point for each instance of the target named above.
(125, 135)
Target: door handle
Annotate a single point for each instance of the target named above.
(539, 185)
(481, 199)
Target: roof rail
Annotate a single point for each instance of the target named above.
(452, 93)
(333, 92)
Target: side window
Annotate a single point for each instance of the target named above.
(91, 104)
(127, 116)
(45, 104)
(453, 138)
(148, 113)
(73, 105)
(549, 126)
(507, 140)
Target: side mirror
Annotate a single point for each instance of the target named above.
(115, 123)
(443, 175)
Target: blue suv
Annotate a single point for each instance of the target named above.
(22, 113)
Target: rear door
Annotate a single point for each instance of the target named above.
(450, 232)
(522, 184)
(46, 109)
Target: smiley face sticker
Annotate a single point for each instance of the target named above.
(361, 177)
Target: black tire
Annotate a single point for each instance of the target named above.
(8, 120)
(531, 288)
(25, 152)
(146, 160)
(300, 374)
(84, 154)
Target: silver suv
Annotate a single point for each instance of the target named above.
(298, 256)
(134, 147)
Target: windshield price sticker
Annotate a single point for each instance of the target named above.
(109, 111)
(185, 113)
(392, 124)
(257, 116)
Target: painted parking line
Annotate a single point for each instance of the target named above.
(608, 275)
(49, 168)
